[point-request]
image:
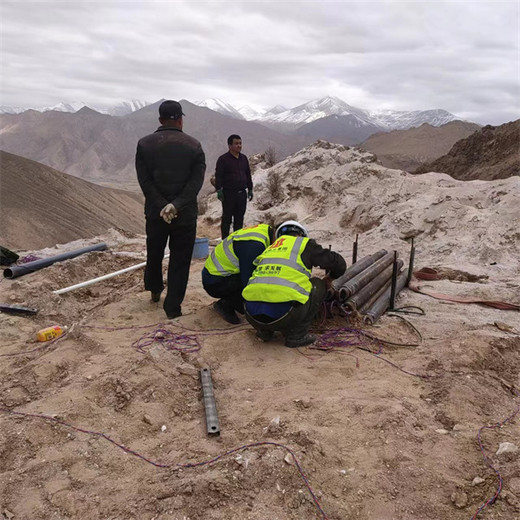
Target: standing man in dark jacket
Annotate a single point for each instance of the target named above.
(170, 169)
(232, 179)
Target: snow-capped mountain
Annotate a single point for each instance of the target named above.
(125, 107)
(74, 106)
(250, 114)
(278, 109)
(400, 120)
(121, 109)
(221, 107)
(317, 109)
(11, 110)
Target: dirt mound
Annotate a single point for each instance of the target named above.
(491, 153)
(40, 207)
(409, 149)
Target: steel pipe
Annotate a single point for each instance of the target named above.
(368, 304)
(395, 271)
(383, 302)
(212, 424)
(356, 268)
(358, 299)
(31, 267)
(355, 284)
(410, 265)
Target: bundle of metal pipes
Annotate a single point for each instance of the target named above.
(369, 286)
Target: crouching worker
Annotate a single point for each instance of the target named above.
(230, 265)
(281, 295)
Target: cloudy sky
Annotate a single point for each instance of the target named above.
(462, 56)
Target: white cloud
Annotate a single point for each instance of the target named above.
(461, 56)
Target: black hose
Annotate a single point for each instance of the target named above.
(31, 267)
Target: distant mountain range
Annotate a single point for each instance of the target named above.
(120, 109)
(330, 109)
(329, 106)
(100, 147)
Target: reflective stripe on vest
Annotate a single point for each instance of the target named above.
(280, 275)
(223, 261)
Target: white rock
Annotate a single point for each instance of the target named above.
(507, 447)
(477, 481)
(163, 428)
(442, 431)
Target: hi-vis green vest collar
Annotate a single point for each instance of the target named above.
(280, 275)
(223, 261)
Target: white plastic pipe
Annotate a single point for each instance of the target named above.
(100, 278)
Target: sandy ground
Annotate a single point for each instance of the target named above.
(375, 431)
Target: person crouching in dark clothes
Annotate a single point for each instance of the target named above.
(282, 295)
(230, 265)
(233, 184)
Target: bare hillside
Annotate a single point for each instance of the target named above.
(491, 153)
(408, 149)
(40, 206)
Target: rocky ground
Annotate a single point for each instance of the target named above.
(108, 421)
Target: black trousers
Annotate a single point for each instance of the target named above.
(181, 234)
(228, 288)
(297, 322)
(233, 209)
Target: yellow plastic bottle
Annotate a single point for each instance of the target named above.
(50, 333)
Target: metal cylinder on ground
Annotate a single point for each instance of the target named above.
(368, 304)
(383, 302)
(410, 265)
(31, 267)
(210, 407)
(360, 280)
(358, 299)
(356, 268)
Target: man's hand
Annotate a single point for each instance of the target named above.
(249, 194)
(220, 195)
(168, 213)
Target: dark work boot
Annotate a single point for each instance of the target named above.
(300, 341)
(226, 311)
(155, 296)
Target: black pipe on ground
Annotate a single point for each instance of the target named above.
(394, 281)
(354, 250)
(368, 304)
(31, 267)
(383, 302)
(353, 286)
(410, 265)
(358, 299)
(356, 268)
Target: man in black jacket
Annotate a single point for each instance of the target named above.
(170, 169)
(233, 184)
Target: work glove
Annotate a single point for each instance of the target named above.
(249, 194)
(220, 194)
(168, 213)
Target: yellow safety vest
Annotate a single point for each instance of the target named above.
(280, 275)
(223, 261)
